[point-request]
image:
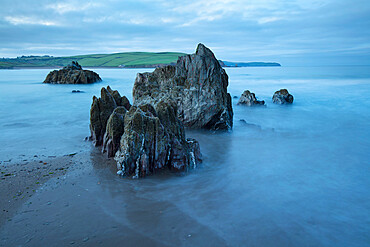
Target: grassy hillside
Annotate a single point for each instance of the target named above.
(126, 59)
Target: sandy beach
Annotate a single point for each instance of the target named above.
(21, 180)
(87, 204)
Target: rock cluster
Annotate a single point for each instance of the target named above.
(282, 97)
(249, 99)
(72, 74)
(144, 138)
(198, 86)
(153, 139)
(149, 135)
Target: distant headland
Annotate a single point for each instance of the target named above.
(114, 60)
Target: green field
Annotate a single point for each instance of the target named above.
(126, 59)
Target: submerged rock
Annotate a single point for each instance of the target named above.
(198, 85)
(72, 74)
(101, 110)
(251, 125)
(249, 99)
(282, 97)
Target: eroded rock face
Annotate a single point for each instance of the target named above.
(198, 85)
(144, 138)
(249, 99)
(114, 131)
(72, 74)
(282, 97)
(101, 110)
(154, 139)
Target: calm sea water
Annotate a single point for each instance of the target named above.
(296, 175)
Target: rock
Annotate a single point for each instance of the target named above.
(77, 91)
(100, 112)
(282, 97)
(154, 139)
(195, 153)
(121, 101)
(198, 85)
(72, 74)
(249, 99)
(235, 97)
(114, 131)
(145, 138)
(254, 126)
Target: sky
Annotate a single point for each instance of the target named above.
(292, 32)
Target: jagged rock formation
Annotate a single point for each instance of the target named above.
(198, 85)
(282, 97)
(149, 135)
(154, 139)
(72, 74)
(101, 110)
(249, 99)
(144, 138)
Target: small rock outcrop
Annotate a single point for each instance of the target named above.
(249, 99)
(282, 97)
(72, 74)
(198, 85)
(101, 110)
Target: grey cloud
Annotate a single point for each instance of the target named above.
(237, 30)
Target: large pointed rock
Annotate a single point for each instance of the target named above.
(198, 85)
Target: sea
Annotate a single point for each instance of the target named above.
(285, 175)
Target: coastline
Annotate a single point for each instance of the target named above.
(126, 67)
(21, 181)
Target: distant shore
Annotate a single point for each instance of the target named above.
(114, 67)
(114, 60)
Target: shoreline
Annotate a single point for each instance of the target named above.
(21, 181)
(114, 67)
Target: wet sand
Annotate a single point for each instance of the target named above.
(259, 202)
(19, 181)
(84, 207)
(267, 203)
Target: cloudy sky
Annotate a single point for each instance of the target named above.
(286, 31)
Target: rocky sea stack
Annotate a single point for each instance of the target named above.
(143, 138)
(282, 97)
(149, 135)
(249, 99)
(198, 86)
(72, 74)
